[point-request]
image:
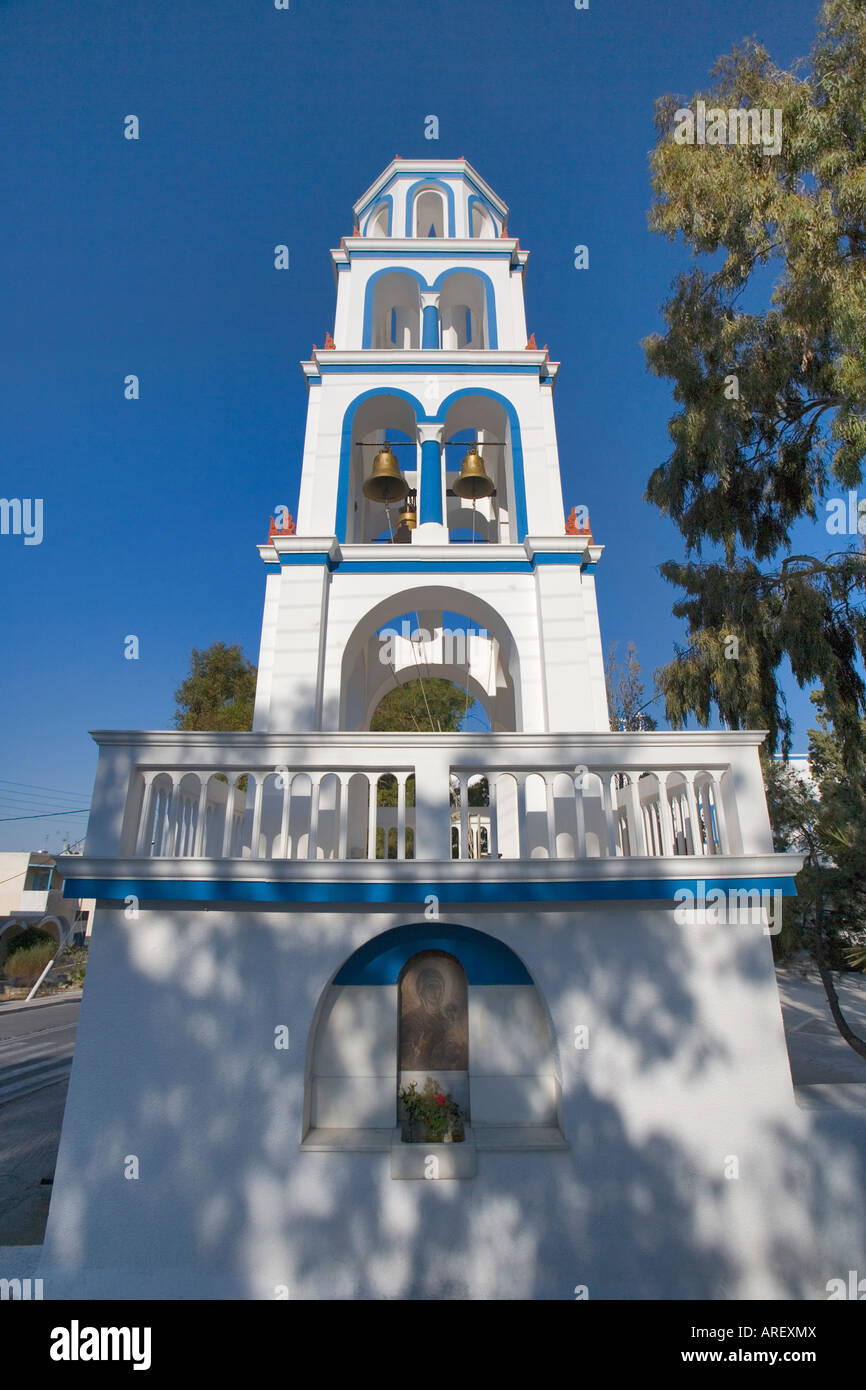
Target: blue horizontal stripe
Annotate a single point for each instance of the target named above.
(388, 891)
(410, 565)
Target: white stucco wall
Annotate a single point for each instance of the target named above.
(686, 1070)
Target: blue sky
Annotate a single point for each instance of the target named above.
(155, 257)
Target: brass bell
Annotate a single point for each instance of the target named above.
(406, 523)
(386, 483)
(474, 481)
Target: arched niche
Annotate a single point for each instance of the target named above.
(354, 1063)
(463, 311)
(429, 213)
(378, 222)
(396, 311)
(367, 667)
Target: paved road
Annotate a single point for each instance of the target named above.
(36, 1045)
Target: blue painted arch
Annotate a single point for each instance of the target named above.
(488, 208)
(370, 296)
(438, 186)
(486, 960)
(385, 201)
(342, 514)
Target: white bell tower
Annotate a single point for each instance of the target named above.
(430, 353)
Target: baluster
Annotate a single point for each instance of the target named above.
(694, 819)
(313, 837)
(463, 793)
(667, 819)
(258, 800)
(144, 842)
(284, 820)
(171, 819)
(521, 828)
(401, 814)
(343, 844)
(551, 816)
(493, 832)
(607, 802)
(228, 828)
(636, 818)
(372, 813)
(580, 815)
(721, 821)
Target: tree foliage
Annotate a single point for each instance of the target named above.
(765, 342)
(429, 706)
(219, 692)
(626, 700)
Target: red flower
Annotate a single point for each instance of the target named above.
(440, 1100)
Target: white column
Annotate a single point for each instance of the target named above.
(313, 837)
(172, 816)
(551, 817)
(198, 846)
(284, 821)
(721, 822)
(607, 802)
(463, 793)
(372, 812)
(694, 821)
(257, 814)
(493, 833)
(580, 815)
(229, 820)
(521, 827)
(637, 829)
(142, 848)
(343, 842)
(401, 814)
(666, 818)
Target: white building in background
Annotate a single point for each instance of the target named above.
(31, 895)
(631, 1119)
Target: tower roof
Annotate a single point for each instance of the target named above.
(415, 169)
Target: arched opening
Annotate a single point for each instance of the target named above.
(438, 999)
(482, 421)
(432, 632)
(429, 214)
(463, 311)
(379, 418)
(377, 222)
(481, 223)
(396, 312)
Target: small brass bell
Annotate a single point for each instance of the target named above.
(474, 481)
(406, 523)
(386, 483)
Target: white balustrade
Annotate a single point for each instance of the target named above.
(512, 802)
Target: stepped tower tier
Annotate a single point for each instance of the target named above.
(430, 353)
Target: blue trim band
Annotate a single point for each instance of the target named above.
(486, 960)
(428, 368)
(473, 891)
(408, 565)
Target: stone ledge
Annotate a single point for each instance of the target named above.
(433, 1161)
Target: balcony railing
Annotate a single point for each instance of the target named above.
(433, 796)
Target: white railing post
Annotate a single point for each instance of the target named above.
(201, 818)
(551, 815)
(144, 841)
(493, 832)
(580, 814)
(521, 828)
(313, 837)
(258, 799)
(638, 837)
(694, 818)
(401, 814)
(283, 845)
(171, 816)
(372, 814)
(721, 821)
(607, 803)
(343, 842)
(228, 827)
(463, 793)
